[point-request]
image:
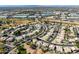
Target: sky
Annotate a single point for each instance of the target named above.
(39, 2)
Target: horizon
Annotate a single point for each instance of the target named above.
(39, 5)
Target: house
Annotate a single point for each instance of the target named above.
(10, 39)
(51, 47)
(20, 16)
(67, 49)
(39, 43)
(3, 16)
(59, 49)
(45, 44)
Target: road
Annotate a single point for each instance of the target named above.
(62, 21)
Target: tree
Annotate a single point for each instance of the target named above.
(77, 43)
(21, 50)
(45, 49)
(17, 33)
(2, 48)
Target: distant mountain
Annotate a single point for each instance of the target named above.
(13, 7)
(18, 5)
(72, 6)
